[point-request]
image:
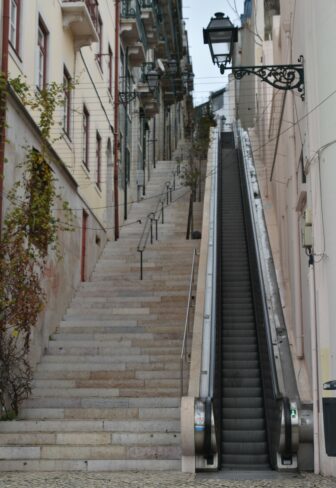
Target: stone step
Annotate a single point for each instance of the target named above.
(120, 340)
(102, 392)
(110, 358)
(96, 430)
(118, 452)
(169, 413)
(105, 396)
(106, 367)
(126, 402)
(29, 465)
(107, 383)
(99, 349)
(163, 307)
(118, 375)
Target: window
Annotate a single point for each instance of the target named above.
(100, 41)
(67, 102)
(42, 45)
(110, 69)
(98, 159)
(86, 128)
(14, 24)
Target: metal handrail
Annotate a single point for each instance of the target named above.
(183, 356)
(154, 216)
(275, 384)
(277, 402)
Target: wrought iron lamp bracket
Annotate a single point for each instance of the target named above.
(280, 76)
(126, 97)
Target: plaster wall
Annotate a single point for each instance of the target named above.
(308, 127)
(91, 88)
(62, 276)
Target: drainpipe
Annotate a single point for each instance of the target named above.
(4, 71)
(125, 161)
(312, 300)
(116, 123)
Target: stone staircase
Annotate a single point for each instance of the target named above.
(106, 394)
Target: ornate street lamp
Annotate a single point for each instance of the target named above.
(172, 66)
(221, 34)
(152, 78)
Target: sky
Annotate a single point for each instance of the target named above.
(197, 14)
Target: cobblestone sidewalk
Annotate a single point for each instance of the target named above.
(153, 480)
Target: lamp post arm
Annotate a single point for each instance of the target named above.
(280, 76)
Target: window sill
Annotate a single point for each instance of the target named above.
(14, 54)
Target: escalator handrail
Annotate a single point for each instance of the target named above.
(278, 395)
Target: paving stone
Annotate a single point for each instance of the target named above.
(136, 479)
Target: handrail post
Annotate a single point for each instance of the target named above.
(174, 181)
(151, 230)
(162, 212)
(181, 377)
(156, 229)
(184, 350)
(171, 194)
(141, 265)
(167, 188)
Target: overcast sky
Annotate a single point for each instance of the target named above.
(197, 14)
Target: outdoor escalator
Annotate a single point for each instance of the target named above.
(248, 413)
(243, 427)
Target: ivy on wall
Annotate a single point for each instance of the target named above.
(30, 231)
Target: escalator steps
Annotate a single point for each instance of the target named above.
(244, 443)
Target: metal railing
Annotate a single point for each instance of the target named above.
(185, 354)
(166, 197)
(132, 9)
(153, 4)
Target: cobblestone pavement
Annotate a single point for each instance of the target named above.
(155, 480)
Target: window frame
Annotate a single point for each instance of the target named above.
(16, 44)
(100, 41)
(98, 159)
(43, 53)
(85, 140)
(110, 69)
(67, 102)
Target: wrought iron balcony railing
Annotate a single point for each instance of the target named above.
(132, 9)
(145, 69)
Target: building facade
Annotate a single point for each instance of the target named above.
(126, 73)
(294, 148)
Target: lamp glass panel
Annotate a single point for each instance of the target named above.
(220, 36)
(152, 79)
(223, 48)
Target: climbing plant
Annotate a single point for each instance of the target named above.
(30, 230)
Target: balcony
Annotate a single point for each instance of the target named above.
(151, 17)
(149, 98)
(80, 17)
(150, 102)
(133, 32)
